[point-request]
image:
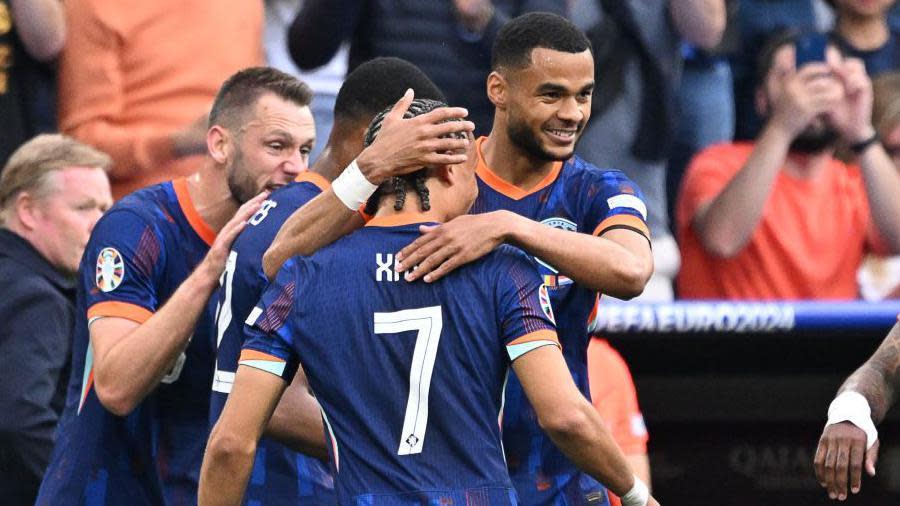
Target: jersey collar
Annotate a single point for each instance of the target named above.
(508, 189)
(190, 212)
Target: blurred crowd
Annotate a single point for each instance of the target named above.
(674, 77)
(763, 134)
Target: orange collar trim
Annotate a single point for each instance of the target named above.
(308, 176)
(506, 188)
(190, 212)
(396, 220)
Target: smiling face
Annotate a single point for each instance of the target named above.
(548, 103)
(271, 148)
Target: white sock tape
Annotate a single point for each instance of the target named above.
(352, 187)
(854, 408)
(639, 494)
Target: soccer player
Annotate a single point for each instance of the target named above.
(849, 441)
(585, 227)
(137, 412)
(409, 375)
(282, 475)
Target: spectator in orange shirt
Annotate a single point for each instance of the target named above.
(615, 398)
(137, 78)
(781, 218)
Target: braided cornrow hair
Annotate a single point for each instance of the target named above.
(415, 180)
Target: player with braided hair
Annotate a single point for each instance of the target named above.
(398, 184)
(401, 430)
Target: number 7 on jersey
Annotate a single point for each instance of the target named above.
(427, 323)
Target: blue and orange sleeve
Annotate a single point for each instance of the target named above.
(526, 315)
(268, 339)
(121, 268)
(616, 203)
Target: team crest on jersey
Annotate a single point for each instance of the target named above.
(552, 278)
(110, 269)
(544, 297)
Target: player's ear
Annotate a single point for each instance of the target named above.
(24, 209)
(446, 174)
(497, 89)
(217, 143)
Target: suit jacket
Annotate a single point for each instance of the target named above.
(37, 313)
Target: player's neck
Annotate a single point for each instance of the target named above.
(511, 163)
(211, 198)
(412, 211)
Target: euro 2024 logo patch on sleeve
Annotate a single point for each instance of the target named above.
(110, 269)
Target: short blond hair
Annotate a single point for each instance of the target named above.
(33, 163)
(886, 106)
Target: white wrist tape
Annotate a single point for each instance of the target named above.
(352, 187)
(638, 495)
(854, 408)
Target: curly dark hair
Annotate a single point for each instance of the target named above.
(399, 185)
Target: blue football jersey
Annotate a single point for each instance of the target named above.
(575, 196)
(138, 255)
(409, 375)
(280, 475)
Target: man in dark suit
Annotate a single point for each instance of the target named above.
(52, 192)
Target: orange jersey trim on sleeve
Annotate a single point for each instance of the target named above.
(118, 309)
(190, 212)
(308, 176)
(258, 355)
(537, 335)
(623, 221)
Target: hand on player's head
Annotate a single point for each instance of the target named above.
(407, 145)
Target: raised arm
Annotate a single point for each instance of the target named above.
(881, 176)
(849, 441)
(132, 354)
(725, 224)
(402, 145)
(41, 26)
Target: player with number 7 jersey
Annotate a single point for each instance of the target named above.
(409, 376)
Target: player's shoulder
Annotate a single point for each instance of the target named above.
(581, 175)
(297, 192)
(147, 205)
(504, 258)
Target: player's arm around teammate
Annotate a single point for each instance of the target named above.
(618, 262)
(850, 440)
(131, 358)
(404, 145)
